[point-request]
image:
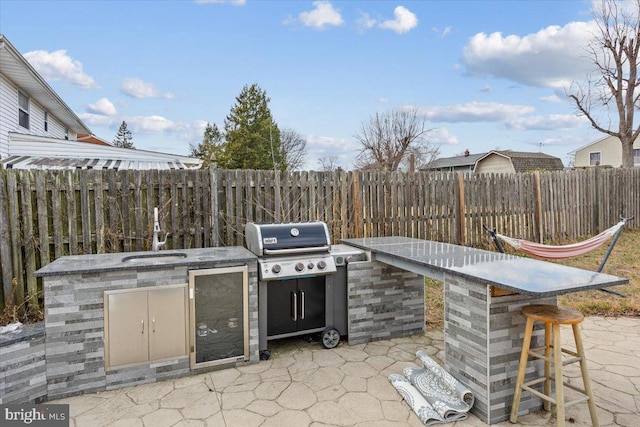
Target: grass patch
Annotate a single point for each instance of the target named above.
(623, 262)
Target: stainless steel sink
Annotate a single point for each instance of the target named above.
(154, 258)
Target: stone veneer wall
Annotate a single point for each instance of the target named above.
(74, 313)
(22, 365)
(491, 366)
(383, 302)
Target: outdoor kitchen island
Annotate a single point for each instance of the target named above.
(483, 328)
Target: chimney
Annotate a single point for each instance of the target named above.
(466, 153)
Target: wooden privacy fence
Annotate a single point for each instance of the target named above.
(48, 214)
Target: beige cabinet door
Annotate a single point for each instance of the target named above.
(167, 320)
(128, 328)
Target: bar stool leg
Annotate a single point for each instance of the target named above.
(557, 361)
(524, 356)
(585, 375)
(547, 365)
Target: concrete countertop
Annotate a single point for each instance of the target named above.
(519, 274)
(147, 260)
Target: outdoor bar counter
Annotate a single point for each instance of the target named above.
(484, 292)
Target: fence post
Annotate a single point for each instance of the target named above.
(357, 206)
(538, 198)
(596, 198)
(6, 265)
(460, 211)
(213, 173)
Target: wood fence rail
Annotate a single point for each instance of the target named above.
(48, 214)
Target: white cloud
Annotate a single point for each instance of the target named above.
(552, 122)
(553, 57)
(185, 131)
(150, 124)
(323, 15)
(475, 112)
(404, 20)
(364, 21)
(58, 65)
(137, 88)
(103, 107)
(442, 136)
(552, 99)
(96, 119)
(443, 32)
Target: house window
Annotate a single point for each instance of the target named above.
(595, 158)
(23, 110)
(636, 156)
(46, 121)
(66, 133)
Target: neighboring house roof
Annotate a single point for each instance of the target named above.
(92, 139)
(455, 162)
(36, 152)
(528, 161)
(18, 70)
(521, 161)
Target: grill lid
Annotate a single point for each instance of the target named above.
(289, 238)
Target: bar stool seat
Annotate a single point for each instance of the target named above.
(553, 316)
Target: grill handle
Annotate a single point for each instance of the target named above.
(301, 305)
(324, 248)
(294, 303)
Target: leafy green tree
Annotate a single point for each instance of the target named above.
(123, 138)
(209, 149)
(252, 136)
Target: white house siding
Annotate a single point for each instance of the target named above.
(9, 118)
(8, 113)
(495, 163)
(610, 150)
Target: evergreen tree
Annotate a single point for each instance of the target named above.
(123, 137)
(252, 136)
(210, 147)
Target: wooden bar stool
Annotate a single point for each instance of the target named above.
(553, 317)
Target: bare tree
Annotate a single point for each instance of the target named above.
(294, 148)
(329, 164)
(419, 157)
(387, 138)
(614, 50)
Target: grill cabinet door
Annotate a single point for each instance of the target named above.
(311, 303)
(281, 312)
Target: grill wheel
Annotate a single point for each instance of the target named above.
(330, 338)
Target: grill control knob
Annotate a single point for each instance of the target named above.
(310, 266)
(299, 266)
(322, 265)
(276, 269)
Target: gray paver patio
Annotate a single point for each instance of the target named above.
(305, 385)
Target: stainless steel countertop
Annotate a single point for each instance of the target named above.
(519, 274)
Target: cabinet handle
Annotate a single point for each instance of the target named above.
(301, 305)
(142, 325)
(153, 322)
(295, 306)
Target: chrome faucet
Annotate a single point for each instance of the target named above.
(156, 244)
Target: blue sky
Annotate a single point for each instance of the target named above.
(485, 74)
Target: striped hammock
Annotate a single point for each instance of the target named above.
(563, 251)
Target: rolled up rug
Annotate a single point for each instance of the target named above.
(415, 400)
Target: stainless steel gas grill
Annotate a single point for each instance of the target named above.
(302, 287)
